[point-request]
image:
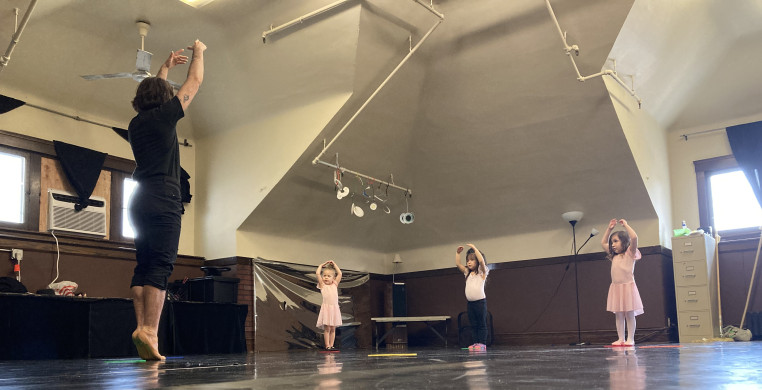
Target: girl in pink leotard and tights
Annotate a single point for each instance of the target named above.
(624, 299)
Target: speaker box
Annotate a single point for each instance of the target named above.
(399, 300)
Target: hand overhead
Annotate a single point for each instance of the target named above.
(175, 58)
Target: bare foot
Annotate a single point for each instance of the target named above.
(150, 344)
(618, 343)
(142, 347)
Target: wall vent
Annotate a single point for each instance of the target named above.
(63, 217)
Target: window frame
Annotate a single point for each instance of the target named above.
(704, 170)
(31, 214)
(34, 149)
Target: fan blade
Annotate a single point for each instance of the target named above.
(91, 77)
(143, 62)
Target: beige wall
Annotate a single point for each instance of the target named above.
(682, 154)
(308, 252)
(239, 167)
(48, 126)
(648, 143)
(516, 248)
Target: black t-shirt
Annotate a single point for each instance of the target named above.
(153, 137)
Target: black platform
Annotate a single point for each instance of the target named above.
(54, 327)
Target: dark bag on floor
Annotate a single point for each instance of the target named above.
(11, 285)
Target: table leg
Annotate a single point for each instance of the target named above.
(431, 326)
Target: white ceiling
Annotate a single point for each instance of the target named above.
(486, 123)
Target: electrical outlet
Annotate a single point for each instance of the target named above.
(17, 254)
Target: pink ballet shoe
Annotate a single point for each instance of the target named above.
(618, 343)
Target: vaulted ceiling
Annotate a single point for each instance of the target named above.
(486, 122)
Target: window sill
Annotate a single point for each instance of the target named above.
(77, 245)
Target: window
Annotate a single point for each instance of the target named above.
(12, 182)
(128, 189)
(734, 205)
(726, 200)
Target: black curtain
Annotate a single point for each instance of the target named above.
(82, 167)
(746, 144)
(8, 103)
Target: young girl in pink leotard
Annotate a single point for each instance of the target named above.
(624, 299)
(329, 276)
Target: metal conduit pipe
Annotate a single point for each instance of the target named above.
(404, 60)
(302, 19)
(5, 58)
(568, 49)
(382, 182)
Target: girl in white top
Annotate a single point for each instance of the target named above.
(475, 272)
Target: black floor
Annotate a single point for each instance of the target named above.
(664, 366)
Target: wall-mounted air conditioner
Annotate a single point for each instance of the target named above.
(62, 216)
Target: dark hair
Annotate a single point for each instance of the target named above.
(470, 251)
(624, 238)
(151, 93)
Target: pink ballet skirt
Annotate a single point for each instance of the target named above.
(623, 292)
(624, 297)
(330, 312)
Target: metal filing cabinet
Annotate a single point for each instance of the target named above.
(695, 287)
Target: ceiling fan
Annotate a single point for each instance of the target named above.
(142, 64)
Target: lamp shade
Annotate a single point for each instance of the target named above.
(572, 216)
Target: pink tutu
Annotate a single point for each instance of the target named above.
(329, 315)
(624, 297)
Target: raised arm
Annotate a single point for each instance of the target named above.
(195, 77)
(338, 272)
(319, 273)
(457, 260)
(633, 237)
(605, 238)
(175, 58)
(482, 263)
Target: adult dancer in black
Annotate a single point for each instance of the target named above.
(156, 209)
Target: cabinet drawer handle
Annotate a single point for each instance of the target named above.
(689, 275)
(691, 300)
(687, 251)
(694, 326)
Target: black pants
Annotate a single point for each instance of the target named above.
(155, 211)
(477, 317)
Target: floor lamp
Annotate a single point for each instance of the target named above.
(573, 217)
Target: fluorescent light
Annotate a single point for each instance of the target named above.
(197, 3)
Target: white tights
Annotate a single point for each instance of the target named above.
(629, 318)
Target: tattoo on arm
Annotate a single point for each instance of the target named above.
(186, 98)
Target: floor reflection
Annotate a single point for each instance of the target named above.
(625, 371)
(329, 367)
(475, 374)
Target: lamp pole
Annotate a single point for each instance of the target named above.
(576, 282)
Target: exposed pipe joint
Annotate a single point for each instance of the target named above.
(5, 58)
(568, 49)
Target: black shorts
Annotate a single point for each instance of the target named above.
(155, 211)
